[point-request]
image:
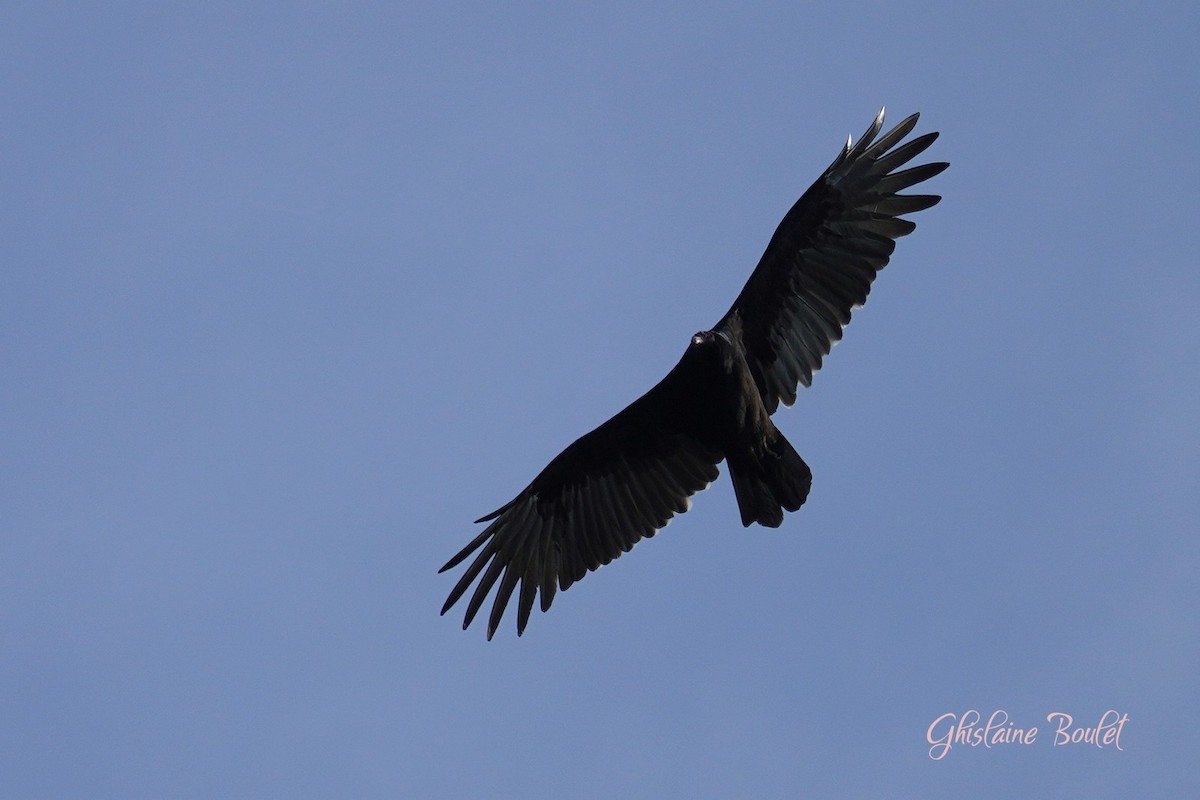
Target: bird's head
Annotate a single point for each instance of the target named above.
(704, 338)
(710, 346)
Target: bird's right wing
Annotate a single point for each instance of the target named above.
(595, 500)
(823, 257)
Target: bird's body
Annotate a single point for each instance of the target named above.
(627, 478)
(768, 475)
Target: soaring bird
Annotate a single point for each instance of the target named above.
(627, 478)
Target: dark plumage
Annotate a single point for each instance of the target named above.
(628, 477)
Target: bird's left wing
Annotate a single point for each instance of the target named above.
(594, 501)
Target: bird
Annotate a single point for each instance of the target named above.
(626, 479)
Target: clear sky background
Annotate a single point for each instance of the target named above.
(292, 293)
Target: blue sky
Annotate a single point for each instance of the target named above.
(290, 294)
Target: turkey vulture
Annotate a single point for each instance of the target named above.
(628, 477)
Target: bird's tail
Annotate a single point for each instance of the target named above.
(767, 484)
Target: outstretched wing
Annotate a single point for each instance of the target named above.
(823, 257)
(594, 501)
